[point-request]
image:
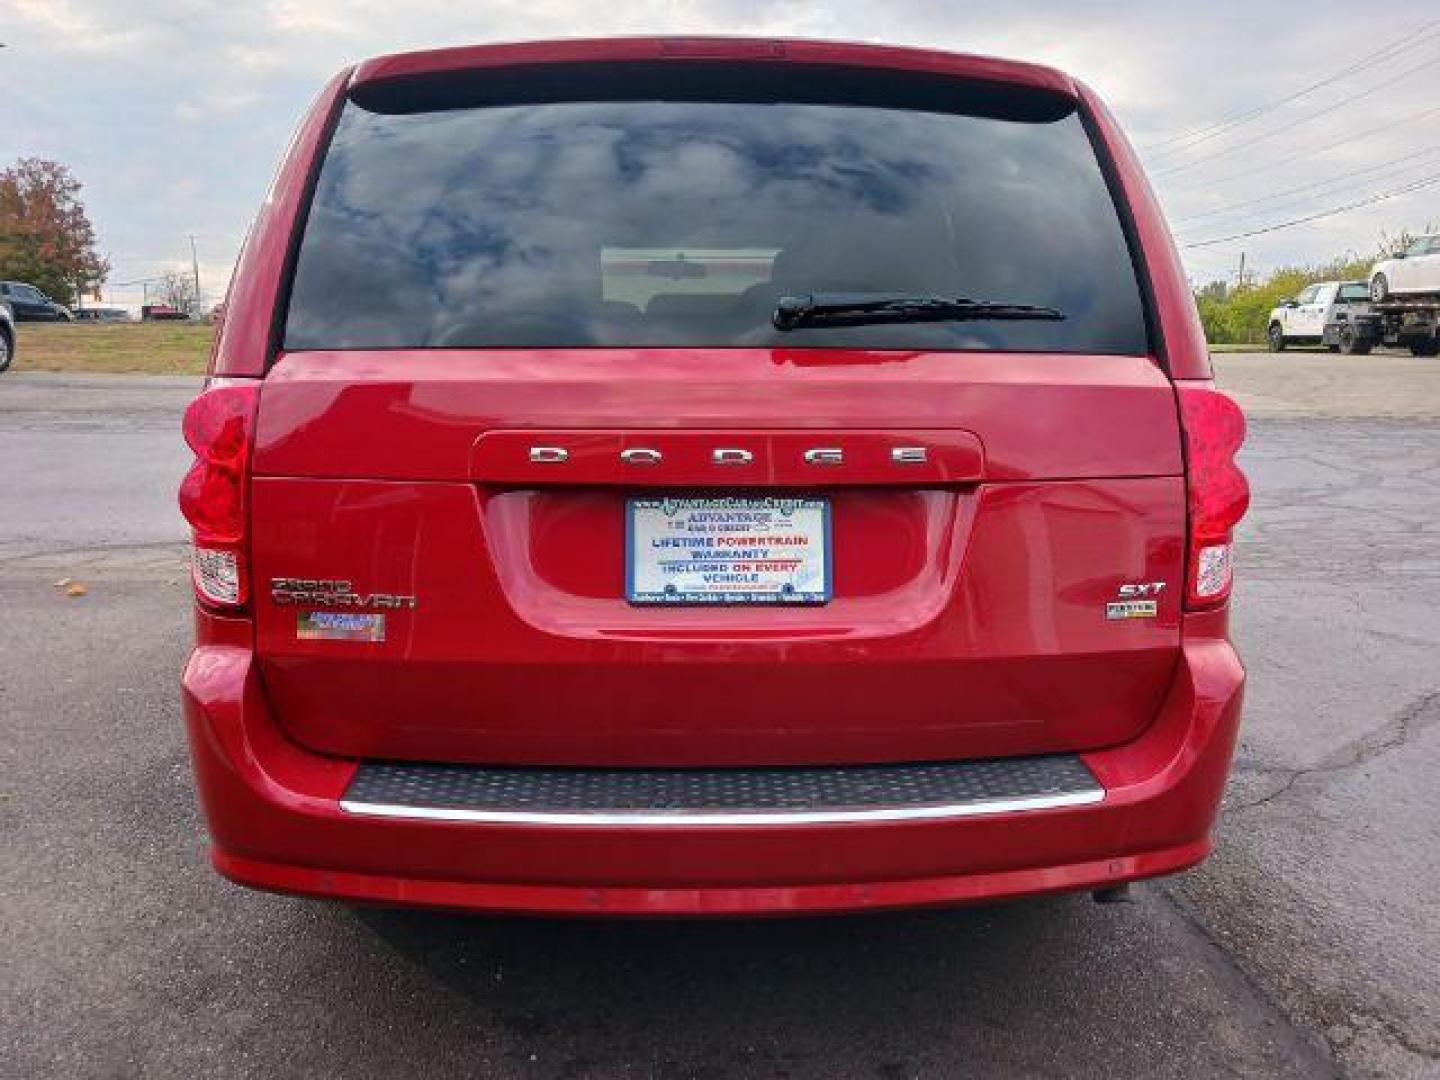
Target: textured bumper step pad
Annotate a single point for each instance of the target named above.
(721, 796)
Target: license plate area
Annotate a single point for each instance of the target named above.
(728, 550)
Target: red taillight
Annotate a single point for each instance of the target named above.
(219, 426)
(1218, 492)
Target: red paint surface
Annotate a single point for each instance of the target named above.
(968, 617)
(963, 624)
(740, 50)
(275, 821)
(417, 414)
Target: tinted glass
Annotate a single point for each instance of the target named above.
(682, 223)
(1357, 291)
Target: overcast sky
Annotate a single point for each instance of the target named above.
(173, 113)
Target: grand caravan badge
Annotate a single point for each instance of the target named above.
(333, 592)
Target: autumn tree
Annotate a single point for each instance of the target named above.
(46, 238)
(176, 290)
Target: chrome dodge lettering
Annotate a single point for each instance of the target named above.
(731, 455)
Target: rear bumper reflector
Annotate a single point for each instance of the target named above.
(798, 795)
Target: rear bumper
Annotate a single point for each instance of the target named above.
(276, 823)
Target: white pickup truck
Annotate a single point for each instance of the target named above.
(1301, 321)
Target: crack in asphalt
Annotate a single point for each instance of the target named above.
(159, 560)
(1356, 1016)
(1302, 1038)
(1419, 715)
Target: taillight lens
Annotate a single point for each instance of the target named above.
(1218, 492)
(219, 428)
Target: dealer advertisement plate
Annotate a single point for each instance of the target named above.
(727, 551)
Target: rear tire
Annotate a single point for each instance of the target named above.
(1351, 343)
(1379, 289)
(1430, 347)
(1276, 337)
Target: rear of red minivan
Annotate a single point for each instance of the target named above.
(709, 476)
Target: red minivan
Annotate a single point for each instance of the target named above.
(697, 476)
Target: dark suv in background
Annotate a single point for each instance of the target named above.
(7, 335)
(31, 305)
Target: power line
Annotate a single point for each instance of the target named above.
(1230, 208)
(1404, 44)
(1311, 152)
(1416, 185)
(1386, 52)
(1426, 65)
(1225, 266)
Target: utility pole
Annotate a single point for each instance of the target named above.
(1240, 279)
(195, 267)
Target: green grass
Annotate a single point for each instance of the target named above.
(160, 348)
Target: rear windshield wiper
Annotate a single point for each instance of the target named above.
(867, 309)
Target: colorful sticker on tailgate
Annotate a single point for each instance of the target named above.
(339, 626)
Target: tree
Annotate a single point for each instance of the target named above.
(1392, 244)
(177, 290)
(46, 238)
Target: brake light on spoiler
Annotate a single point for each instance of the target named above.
(1218, 493)
(219, 427)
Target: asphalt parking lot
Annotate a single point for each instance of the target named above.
(1309, 945)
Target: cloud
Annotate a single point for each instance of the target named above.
(214, 105)
(73, 27)
(304, 17)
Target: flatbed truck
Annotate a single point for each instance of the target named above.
(1408, 323)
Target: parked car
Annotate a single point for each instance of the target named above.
(890, 569)
(109, 313)
(31, 305)
(1413, 271)
(1302, 321)
(7, 335)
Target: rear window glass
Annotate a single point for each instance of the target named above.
(682, 223)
